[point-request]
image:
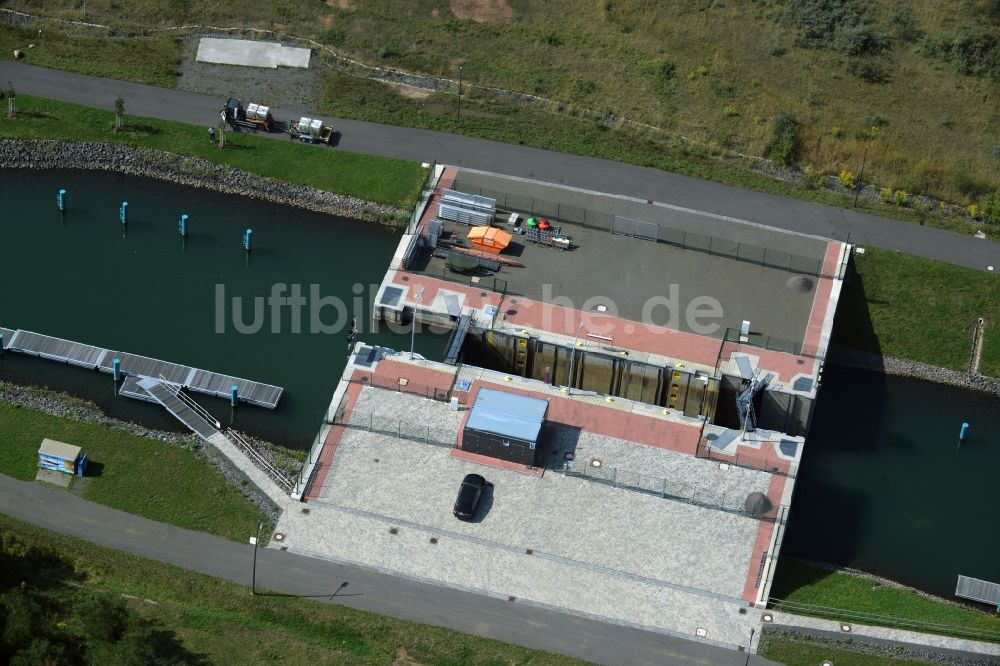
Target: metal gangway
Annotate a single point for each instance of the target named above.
(978, 590)
(87, 356)
(186, 410)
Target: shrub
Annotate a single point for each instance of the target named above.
(971, 51)
(775, 46)
(701, 70)
(899, 197)
(904, 24)
(991, 208)
(729, 110)
(784, 145)
(847, 179)
(585, 86)
(973, 211)
(666, 71)
(885, 195)
(845, 25)
(332, 36)
(868, 69)
(549, 36)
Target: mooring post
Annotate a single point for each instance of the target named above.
(247, 236)
(182, 226)
(233, 399)
(123, 212)
(61, 200)
(962, 433)
(116, 369)
(1, 343)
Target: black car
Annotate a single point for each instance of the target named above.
(469, 494)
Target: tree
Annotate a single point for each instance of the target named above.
(119, 113)
(784, 145)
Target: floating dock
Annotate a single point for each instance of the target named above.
(193, 379)
(978, 590)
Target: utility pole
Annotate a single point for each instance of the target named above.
(253, 574)
(872, 133)
(413, 324)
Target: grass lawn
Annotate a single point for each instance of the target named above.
(380, 179)
(800, 651)
(157, 480)
(804, 584)
(901, 305)
(153, 61)
(222, 622)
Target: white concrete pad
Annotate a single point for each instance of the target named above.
(251, 53)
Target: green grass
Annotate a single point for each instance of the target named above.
(901, 305)
(153, 61)
(221, 621)
(147, 477)
(380, 179)
(800, 651)
(804, 584)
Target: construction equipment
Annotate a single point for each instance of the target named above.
(253, 117)
(310, 130)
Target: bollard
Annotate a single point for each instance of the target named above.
(123, 212)
(247, 236)
(183, 226)
(116, 369)
(61, 200)
(233, 395)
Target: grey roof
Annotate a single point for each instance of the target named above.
(508, 414)
(51, 447)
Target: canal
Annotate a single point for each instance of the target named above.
(140, 289)
(885, 488)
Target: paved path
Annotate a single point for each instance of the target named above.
(288, 573)
(946, 646)
(513, 160)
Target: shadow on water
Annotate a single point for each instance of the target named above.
(825, 521)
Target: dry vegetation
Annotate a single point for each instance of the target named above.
(716, 72)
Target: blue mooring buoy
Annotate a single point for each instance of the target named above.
(116, 369)
(61, 199)
(123, 212)
(963, 432)
(183, 226)
(233, 395)
(247, 235)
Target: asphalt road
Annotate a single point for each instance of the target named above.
(356, 587)
(513, 160)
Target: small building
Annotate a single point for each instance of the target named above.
(505, 425)
(62, 457)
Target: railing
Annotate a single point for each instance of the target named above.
(262, 463)
(661, 487)
(490, 283)
(731, 341)
(843, 615)
(400, 428)
(772, 465)
(432, 392)
(686, 240)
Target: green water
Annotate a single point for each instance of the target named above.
(885, 488)
(78, 276)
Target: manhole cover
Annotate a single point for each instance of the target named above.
(569, 456)
(278, 536)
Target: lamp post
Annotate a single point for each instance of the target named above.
(413, 324)
(459, 95)
(872, 133)
(253, 574)
(572, 360)
(749, 646)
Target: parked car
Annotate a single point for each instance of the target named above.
(469, 494)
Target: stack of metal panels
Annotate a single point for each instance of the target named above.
(467, 208)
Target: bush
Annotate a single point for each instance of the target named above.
(333, 36)
(973, 211)
(666, 71)
(729, 110)
(899, 198)
(784, 145)
(885, 195)
(991, 208)
(844, 26)
(847, 179)
(549, 36)
(971, 51)
(868, 69)
(904, 24)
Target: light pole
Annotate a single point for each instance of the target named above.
(749, 647)
(572, 359)
(459, 95)
(872, 133)
(253, 574)
(413, 324)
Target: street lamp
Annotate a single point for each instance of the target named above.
(413, 324)
(459, 95)
(253, 574)
(749, 646)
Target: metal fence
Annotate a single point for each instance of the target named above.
(702, 496)
(687, 240)
(772, 465)
(731, 342)
(280, 477)
(400, 428)
(432, 392)
(843, 615)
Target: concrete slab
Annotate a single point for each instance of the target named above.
(251, 53)
(55, 478)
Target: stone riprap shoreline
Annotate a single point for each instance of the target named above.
(906, 368)
(75, 409)
(190, 172)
